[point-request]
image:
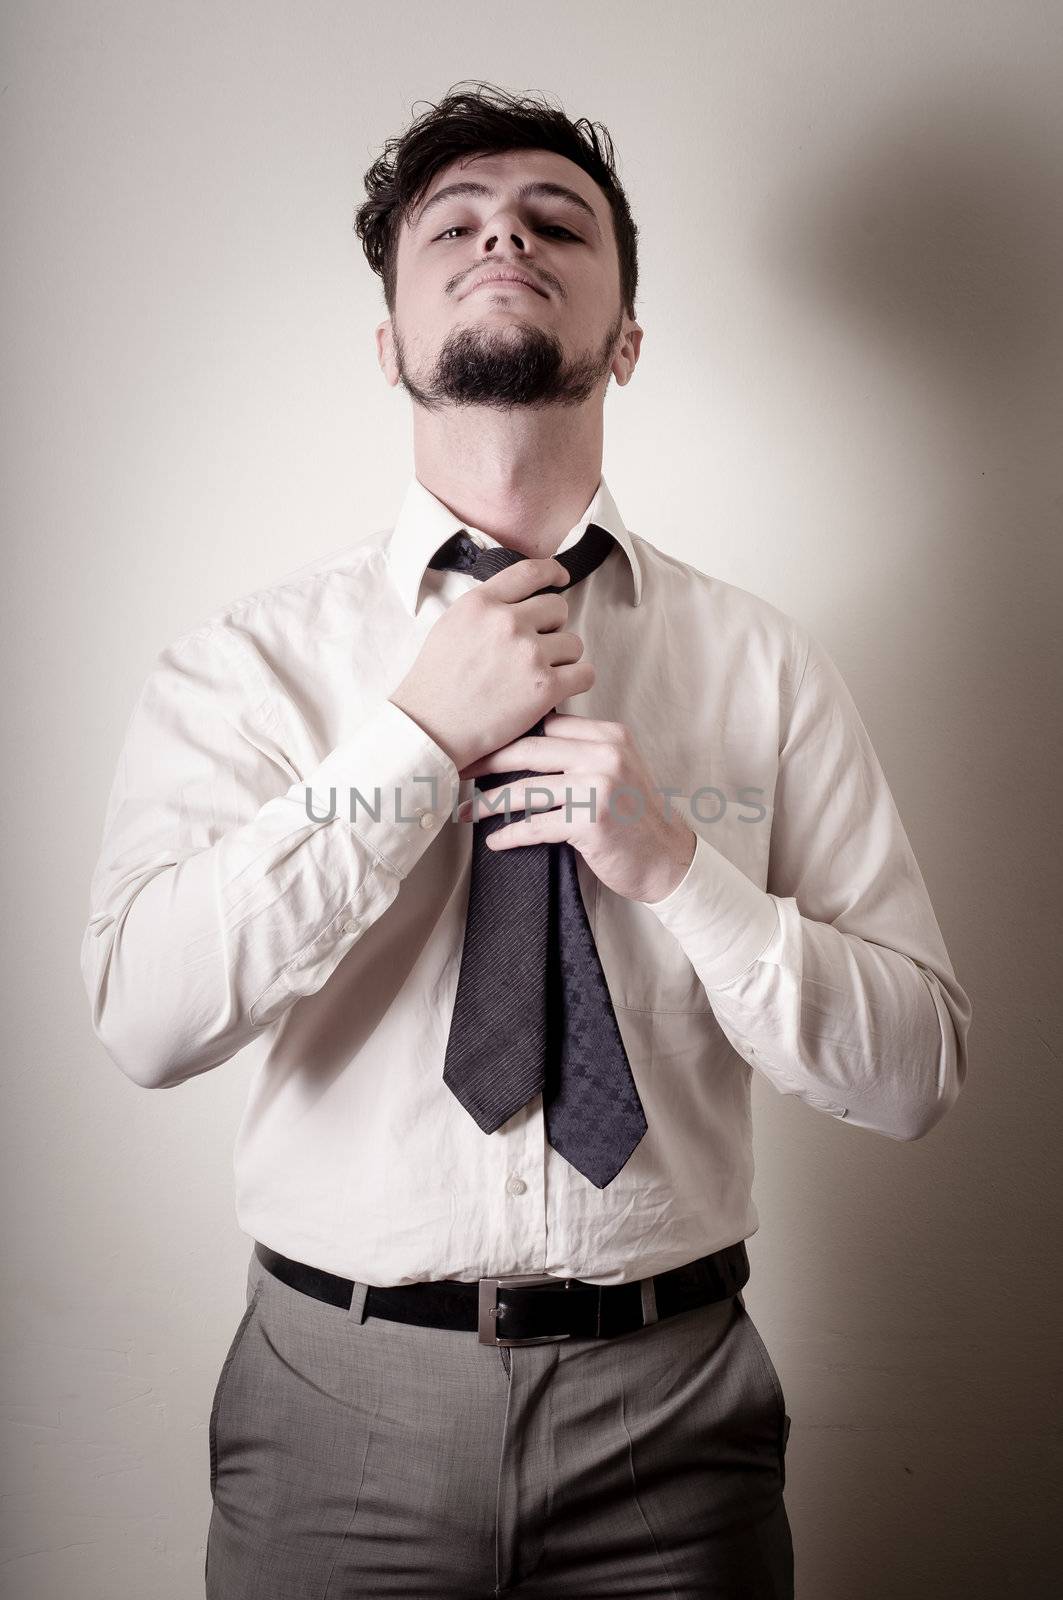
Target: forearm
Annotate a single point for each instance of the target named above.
(187, 955)
(852, 1026)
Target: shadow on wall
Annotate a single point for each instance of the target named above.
(937, 245)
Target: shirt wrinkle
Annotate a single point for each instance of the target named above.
(226, 921)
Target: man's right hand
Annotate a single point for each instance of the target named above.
(495, 662)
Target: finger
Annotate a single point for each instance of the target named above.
(549, 827)
(570, 725)
(492, 802)
(522, 755)
(547, 613)
(561, 648)
(521, 579)
(572, 680)
(537, 752)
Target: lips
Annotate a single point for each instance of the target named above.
(511, 279)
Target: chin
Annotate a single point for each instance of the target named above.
(504, 305)
(497, 317)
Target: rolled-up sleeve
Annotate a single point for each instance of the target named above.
(834, 980)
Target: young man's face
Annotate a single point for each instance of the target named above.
(508, 287)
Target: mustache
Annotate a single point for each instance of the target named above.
(537, 274)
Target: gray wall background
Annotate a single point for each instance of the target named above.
(850, 401)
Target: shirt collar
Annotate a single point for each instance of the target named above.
(424, 523)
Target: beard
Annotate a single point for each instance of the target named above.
(522, 365)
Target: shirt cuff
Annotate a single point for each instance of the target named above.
(392, 767)
(721, 920)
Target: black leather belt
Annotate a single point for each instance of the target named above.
(531, 1308)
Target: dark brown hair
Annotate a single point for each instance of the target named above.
(484, 120)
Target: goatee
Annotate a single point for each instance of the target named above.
(494, 367)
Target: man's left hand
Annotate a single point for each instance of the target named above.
(633, 840)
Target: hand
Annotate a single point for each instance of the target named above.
(628, 841)
(496, 661)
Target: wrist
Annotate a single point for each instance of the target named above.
(674, 866)
(409, 706)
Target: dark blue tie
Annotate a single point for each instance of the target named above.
(532, 1012)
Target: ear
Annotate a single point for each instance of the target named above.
(627, 355)
(385, 351)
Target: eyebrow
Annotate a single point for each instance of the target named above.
(527, 191)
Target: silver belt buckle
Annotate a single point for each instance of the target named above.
(488, 1306)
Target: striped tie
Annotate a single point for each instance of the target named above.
(532, 1012)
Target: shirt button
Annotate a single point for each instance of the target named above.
(428, 819)
(516, 1186)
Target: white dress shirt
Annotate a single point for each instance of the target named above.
(224, 917)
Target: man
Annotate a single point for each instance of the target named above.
(496, 1158)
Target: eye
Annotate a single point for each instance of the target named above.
(546, 227)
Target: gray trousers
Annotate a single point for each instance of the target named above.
(353, 1458)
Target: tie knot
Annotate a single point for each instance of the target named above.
(460, 553)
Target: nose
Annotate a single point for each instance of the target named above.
(503, 228)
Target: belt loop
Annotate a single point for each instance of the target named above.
(649, 1302)
(359, 1292)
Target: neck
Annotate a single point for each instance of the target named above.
(524, 476)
